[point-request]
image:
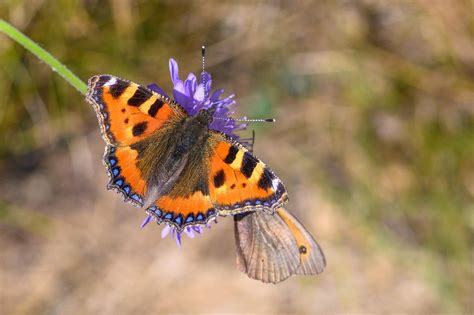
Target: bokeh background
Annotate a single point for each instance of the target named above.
(374, 102)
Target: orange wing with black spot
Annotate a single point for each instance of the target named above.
(127, 113)
(240, 182)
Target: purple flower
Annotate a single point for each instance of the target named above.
(189, 230)
(194, 96)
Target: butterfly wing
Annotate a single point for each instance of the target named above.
(311, 255)
(221, 177)
(271, 248)
(240, 182)
(128, 113)
(188, 202)
(262, 252)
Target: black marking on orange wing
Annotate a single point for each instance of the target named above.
(276, 192)
(219, 179)
(248, 164)
(139, 97)
(265, 181)
(231, 155)
(140, 148)
(202, 187)
(155, 107)
(118, 88)
(102, 80)
(139, 128)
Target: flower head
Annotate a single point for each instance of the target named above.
(194, 96)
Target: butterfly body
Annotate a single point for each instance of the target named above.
(174, 165)
(163, 157)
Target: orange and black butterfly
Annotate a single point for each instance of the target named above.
(184, 174)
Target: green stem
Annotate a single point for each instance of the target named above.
(43, 55)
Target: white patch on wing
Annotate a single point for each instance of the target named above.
(275, 182)
(111, 82)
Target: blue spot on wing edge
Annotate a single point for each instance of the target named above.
(117, 182)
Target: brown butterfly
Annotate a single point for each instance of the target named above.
(272, 247)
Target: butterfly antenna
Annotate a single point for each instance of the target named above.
(247, 120)
(203, 77)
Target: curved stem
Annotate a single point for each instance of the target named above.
(43, 55)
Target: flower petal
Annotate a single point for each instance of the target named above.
(215, 96)
(189, 232)
(190, 84)
(179, 87)
(155, 88)
(174, 71)
(166, 230)
(178, 238)
(185, 101)
(200, 93)
(145, 222)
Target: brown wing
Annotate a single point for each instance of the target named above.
(271, 248)
(311, 256)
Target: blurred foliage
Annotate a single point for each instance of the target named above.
(377, 94)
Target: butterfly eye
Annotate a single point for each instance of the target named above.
(303, 249)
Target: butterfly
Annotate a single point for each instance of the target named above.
(185, 174)
(271, 248)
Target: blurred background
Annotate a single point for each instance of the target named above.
(374, 139)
